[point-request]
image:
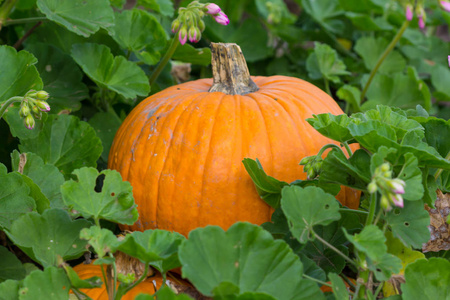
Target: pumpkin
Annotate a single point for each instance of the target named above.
(148, 286)
(182, 148)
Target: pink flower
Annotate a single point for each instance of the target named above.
(193, 38)
(445, 5)
(409, 12)
(421, 22)
(182, 35)
(397, 200)
(397, 186)
(221, 18)
(213, 9)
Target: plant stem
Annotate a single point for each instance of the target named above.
(327, 86)
(105, 278)
(383, 56)
(349, 282)
(354, 211)
(24, 21)
(436, 175)
(347, 147)
(5, 10)
(7, 103)
(147, 267)
(169, 53)
(77, 293)
(372, 208)
(322, 150)
(334, 249)
(316, 280)
(26, 35)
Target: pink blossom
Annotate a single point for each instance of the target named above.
(409, 13)
(398, 186)
(213, 9)
(193, 38)
(397, 200)
(182, 36)
(445, 5)
(221, 18)
(421, 22)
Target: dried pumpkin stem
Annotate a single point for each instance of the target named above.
(230, 72)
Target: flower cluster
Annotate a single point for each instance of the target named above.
(421, 16)
(312, 165)
(391, 189)
(32, 106)
(189, 23)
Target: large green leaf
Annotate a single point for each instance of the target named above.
(84, 17)
(339, 289)
(248, 258)
(331, 126)
(10, 266)
(112, 200)
(49, 235)
(105, 125)
(46, 176)
(115, 73)
(61, 76)
(325, 13)
(9, 290)
(65, 142)
(307, 207)
(410, 224)
(412, 176)
(14, 198)
(325, 63)
(102, 240)
(164, 7)
(50, 284)
(21, 75)
(157, 247)
(189, 54)
(427, 280)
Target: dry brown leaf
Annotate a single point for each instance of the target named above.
(439, 229)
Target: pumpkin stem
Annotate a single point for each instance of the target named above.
(230, 72)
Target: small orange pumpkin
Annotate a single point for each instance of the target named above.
(182, 148)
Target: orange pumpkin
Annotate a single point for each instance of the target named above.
(145, 287)
(182, 148)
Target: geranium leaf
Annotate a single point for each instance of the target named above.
(189, 54)
(164, 7)
(324, 63)
(331, 126)
(80, 16)
(165, 293)
(65, 142)
(9, 290)
(351, 95)
(77, 282)
(10, 266)
(105, 125)
(115, 73)
(112, 200)
(157, 247)
(427, 279)
(339, 289)
(102, 240)
(307, 207)
(49, 235)
(249, 259)
(325, 13)
(412, 176)
(410, 223)
(46, 176)
(52, 283)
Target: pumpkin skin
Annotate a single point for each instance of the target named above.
(182, 150)
(86, 271)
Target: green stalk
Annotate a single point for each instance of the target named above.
(436, 176)
(5, 10)
(354, 211)
(77, 293)
(317, 280)
(335, 249)
(347, 147)
(372, 208)
(24, 21)
(173, 46)
(327, 86)
(147, 267)
(327, 146)
(386, 52)
(7, 103)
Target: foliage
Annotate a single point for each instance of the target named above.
(99, 59)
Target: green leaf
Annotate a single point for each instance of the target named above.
(138, 31)
(339, 289)
(370, 240)
(370, 49)
(412, 176)
(42, 203)
(437, 133)
(249, 258)
(102, 240)
(307, 207)
(427, 279)
(331, 126)
(158, 247)
(164, 293)
(311, 269)
(61, 76)
(16, 124)
(196, 56)
(50, 284)
(9, 290)
(49, 235)
(410, 224)
(22, 74)
(79, 283)
(324, 63)
(275, 11)
(14, 198)
(368, 22)
(79, 16)
(65, 142)
(325, 13)
(112, 201)
(351, 95)
(397, 89)
(46, 176)
(268, 188)
(105, 125)
(164, 7)
(115, 73)
(10, 266)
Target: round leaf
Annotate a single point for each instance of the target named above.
(50, 284)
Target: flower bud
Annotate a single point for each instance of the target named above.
(409, 12)
(384, 203)
(42, 105)
(29, 122)
(384, 167)
(212, 9)
(175, 25)
(182, 35)
(397, 200)
(193, 37)
(372, 187)
(42, 95)
(306, 160)
(397, 186)
(24, 110)
(445, 5)
(310, 174)
(221, 18)
(201, 25)
(35, 110)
